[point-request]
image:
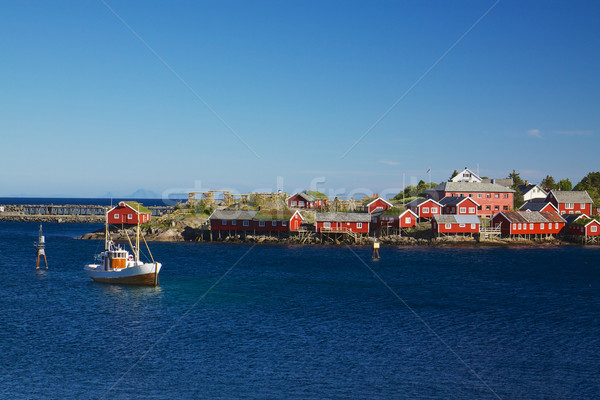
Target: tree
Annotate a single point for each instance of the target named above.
(564, 184)
(516, 177)
(453, 175)
(591, 180)
(548, 183)
(519, 200)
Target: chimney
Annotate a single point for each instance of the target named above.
(526, 182)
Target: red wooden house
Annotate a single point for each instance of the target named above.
(452, 224)
(571, 202)
(255, 221)
(378, 204)
(309, 200)
(527, 223)
(394, 218)
(128, 213)
(459, 205)
(342, 222)
(425, 208)
(491, 197)
(582, 225)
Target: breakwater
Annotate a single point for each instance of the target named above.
(64, 213)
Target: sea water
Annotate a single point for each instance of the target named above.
(299, 322)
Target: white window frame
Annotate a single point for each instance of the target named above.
(463, 210)
(273, 223)
(434, 210)
(117, 216)
(478, 195)
(542, 226)
(294, 203)
(497, 195)
(582, 206)
(593, 228)
(425, 210)
(556, 226)
(233, 222)
(531, 226)
(569, 206)
(471, 210)
(301, 203)
(519, 226)
(359, 225)
(283, 223)
(473, 226)
(261, 223)
(129, 216)
(327, 225)
(514, 226)
(448, 226)
(246, 223)
(461, 225)
(224, 222)
(407, 220)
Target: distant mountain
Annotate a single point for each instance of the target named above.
(144, 194)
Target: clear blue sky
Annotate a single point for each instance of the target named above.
(87, 107)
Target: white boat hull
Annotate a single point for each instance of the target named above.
(141, 274)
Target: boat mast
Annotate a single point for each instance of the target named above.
(137, 236)
(106, 230)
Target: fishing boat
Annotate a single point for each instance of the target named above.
(117, 265)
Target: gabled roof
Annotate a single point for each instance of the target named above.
(233, 214)
(419, 201)
(342, 217)
(506, 182)
(570, 218)
(461, 173)
(524, 189)
(284, 215)
(470, 187)
(133, 205)
(397, 212)
(571, 196)
(304, 195)
(456, 219)
(536, 205)
(530, 217)
(382, 199)
(455, 201)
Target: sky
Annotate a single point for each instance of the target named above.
(346, 97)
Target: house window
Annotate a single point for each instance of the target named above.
(283, 223)
(506, 195)
(294, 203)
(359, 225)
(473, 226)
(326, 224)
(234, 222)
(505, 208)
(116, 216)
(261, 223)
(556, 226)
(273, 223)
(425, 210)
(301, 203)
(462, 195)
(463, 210)
(462, 225)
(496, 207)
(448, 226)
(497, 195)
(478, 195)
(593, 228)
(488, 208)
(407, 220)
(471, 210)
(433, 210)
(514, 226)
(569, 206)
(129, 216)
(246, 223)
(582, 206)
(224, 222)
(519, 227)
(470, 194)
(531, 226)
(488, 195)
(542, 226)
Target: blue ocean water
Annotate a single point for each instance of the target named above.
(305, 322)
